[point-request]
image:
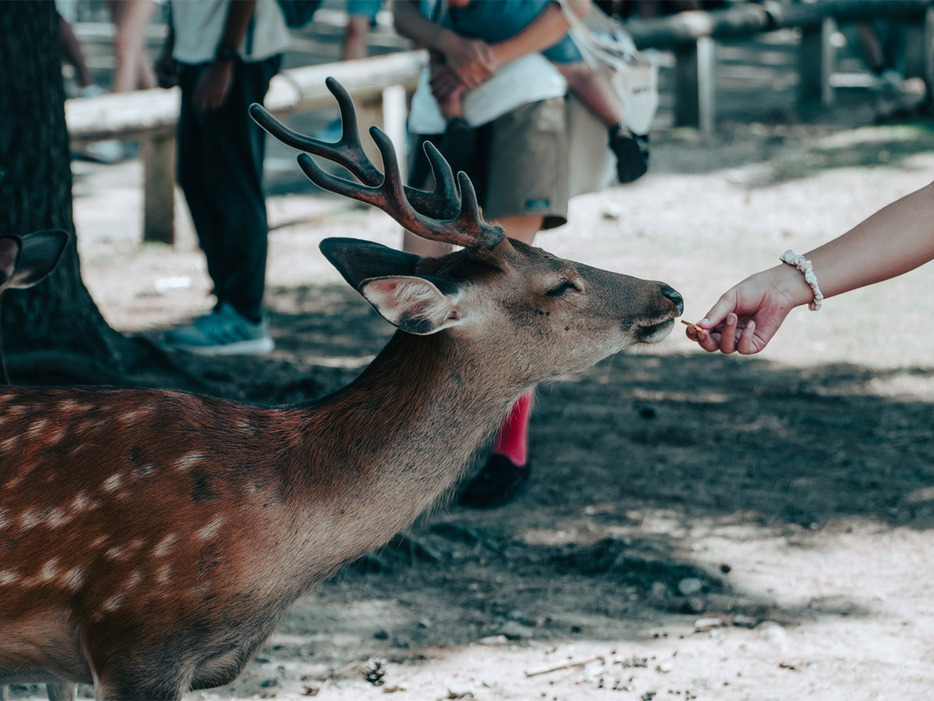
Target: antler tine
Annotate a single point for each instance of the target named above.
(442, 202)
(468, 229)
(348, 152)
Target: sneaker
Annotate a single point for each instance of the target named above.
(223, 332)
(631, 155)
(498, 483)
(107, 152)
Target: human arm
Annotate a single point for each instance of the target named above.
(544, 31)
(891, 242)
(214, 87)
(470, 59)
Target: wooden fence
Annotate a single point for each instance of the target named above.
(380, 85)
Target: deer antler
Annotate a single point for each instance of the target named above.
(439, 215)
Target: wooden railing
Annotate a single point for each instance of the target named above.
(379, 86)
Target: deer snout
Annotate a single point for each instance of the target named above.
(675, 296)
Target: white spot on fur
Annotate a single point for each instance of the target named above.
(49, 571)
(37, 428)
(117, 552)
(113, 603)
(124, 551)
(30, 518)
(8, 577)
(186, 462)
(8, 444)
(4, 521)
(130, 417)
(73, 578)
(57, 517)
(210, 530)
(81, 502)
(165, 545)
(56, 435)
(112, 483)
(164, 574)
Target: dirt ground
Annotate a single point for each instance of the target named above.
(698, 526)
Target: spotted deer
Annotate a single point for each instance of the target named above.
(151, 540)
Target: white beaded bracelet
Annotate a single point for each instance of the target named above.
(791, 258)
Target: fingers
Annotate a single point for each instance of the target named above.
(747, 339)
(728, 338)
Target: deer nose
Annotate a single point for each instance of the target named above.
(675, 296)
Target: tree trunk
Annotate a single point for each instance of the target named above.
(35, 191)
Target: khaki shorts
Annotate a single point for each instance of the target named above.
(528, 163)
(525, 154)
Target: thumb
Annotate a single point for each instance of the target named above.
(718, 312)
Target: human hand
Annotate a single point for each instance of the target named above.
(472, 60)
(447, 88)
(746, 317)
(166, 70)
(214, 86)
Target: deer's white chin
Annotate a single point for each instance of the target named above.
(655, 332)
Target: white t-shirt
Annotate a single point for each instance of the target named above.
(199, 26)
(527, 79)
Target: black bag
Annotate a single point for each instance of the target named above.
(298, 13)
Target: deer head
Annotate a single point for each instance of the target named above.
(566, 315)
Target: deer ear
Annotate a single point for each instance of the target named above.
(414, 304)
(38, 254)
(360, 260)
(9, 252)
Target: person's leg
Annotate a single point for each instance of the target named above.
(220, 172)
(133, 70)
(361, 15)
(527, 187)
(192, 177)
(234, 151)
(595, 91)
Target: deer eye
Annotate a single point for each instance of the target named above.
(561, 288)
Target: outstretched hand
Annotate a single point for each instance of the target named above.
(746, 317)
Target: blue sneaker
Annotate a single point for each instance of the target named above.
(223, 332)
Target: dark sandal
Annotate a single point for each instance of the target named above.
(498, 483)
(631, 159)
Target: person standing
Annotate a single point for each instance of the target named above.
(517, 156)
(223, 53)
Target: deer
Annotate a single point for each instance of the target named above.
(150, 540)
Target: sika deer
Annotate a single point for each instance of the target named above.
(151, 540)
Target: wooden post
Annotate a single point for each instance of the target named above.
(686, 88)
(707, 88)
(158, 155)
(695, 103)
(928, 69)
(816, 62)
(395, 109)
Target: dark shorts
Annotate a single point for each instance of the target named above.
(521, 164)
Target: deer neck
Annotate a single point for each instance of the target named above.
(409, 426)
